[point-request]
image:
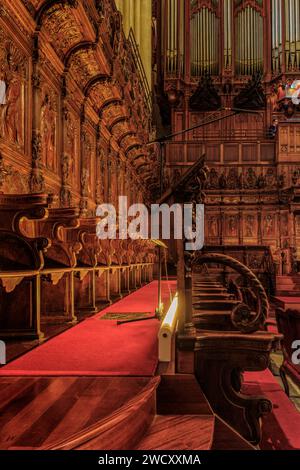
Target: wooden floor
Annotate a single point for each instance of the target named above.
(167, 412)
(35, 412)
(182, 432)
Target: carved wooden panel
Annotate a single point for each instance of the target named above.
(231, 152)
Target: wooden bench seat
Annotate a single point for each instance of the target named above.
(21, 261)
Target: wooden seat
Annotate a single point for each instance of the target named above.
(21, 262)
(57, 280)
(85, 274)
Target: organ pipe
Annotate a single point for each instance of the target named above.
(249, 41)
(173, 12)
(204, 41)
(292, 34)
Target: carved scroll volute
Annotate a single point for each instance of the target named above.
(242, 318)
(14, 209)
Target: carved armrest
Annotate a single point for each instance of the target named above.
(20, 249)
(56, 227)
(86, 235)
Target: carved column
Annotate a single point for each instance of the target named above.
(66, 158)
(109, 174)
(85, 156)
(99, 170)
(36, 182)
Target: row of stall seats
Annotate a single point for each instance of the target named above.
(54, 269)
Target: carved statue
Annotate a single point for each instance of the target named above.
(222, 181)
(268, 225)
(85, 182)
(71, 148)
(85, 170)
(250, 220)
(12, 113)
(213, 179)
(12, 76)
(250, 179)
(261, 181)
(284, 225)
(213, 227)
(270, 179)
(281, 180)
(232, 181)
(176, 176)
(232, 226)
(48, 132)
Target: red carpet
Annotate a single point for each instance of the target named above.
(100, 347)
(281, 428)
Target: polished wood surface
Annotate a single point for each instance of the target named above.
(88, 413)
(39, 411)
(182, 432)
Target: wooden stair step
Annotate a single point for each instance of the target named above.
(206, 296)
(207, 284)
(215, 304)
(209, 289)
(179, 432)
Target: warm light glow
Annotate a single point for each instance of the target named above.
(170, 318)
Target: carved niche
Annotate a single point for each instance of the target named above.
(13, 72)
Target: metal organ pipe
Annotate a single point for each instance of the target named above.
(296, 33)
(201, 31)
(249, 41)
(287, 29)
(292, 37)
